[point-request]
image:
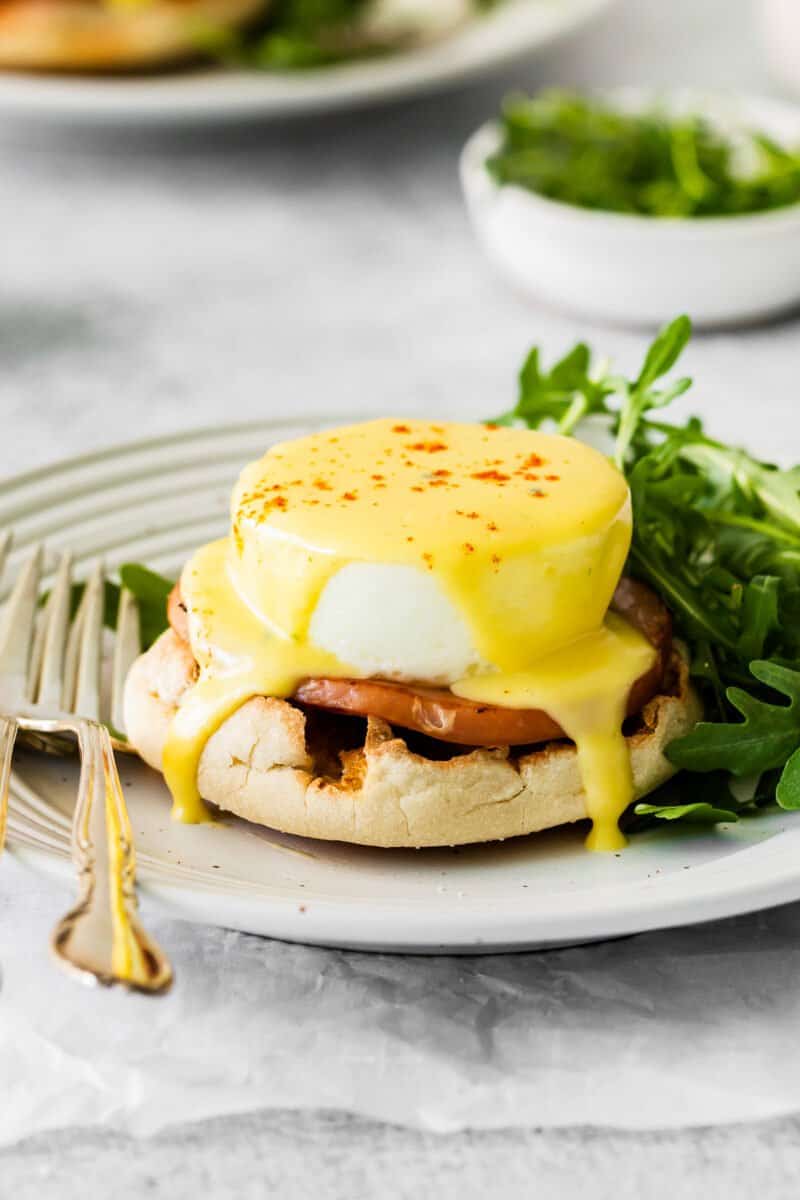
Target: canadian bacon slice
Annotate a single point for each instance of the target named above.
(437, 713)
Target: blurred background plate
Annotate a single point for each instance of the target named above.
(157, 501)
(515, 29)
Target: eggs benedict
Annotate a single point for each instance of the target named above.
(415, 633)
(105, 35)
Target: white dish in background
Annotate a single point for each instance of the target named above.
(513, 30)
(635, 269)
(780, 31)
(156, 502)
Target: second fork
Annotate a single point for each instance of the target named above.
(50, 684)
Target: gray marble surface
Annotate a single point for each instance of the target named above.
(149, 282)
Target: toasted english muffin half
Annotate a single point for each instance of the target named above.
(273, 764)
(93, 35)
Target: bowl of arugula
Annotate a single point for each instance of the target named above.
(628, 207)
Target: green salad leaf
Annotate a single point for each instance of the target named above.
(588, 152)
(693, 800)
(307, 33)
(767, 737)
(303, 34)
(699, 813)
(717, 534)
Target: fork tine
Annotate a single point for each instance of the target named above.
(127, 645)
(5, 545)
(72, 655)
(19, 621)
(36, 653)
(36, 657)
(51, 683)
(8, 734)
(87, 686)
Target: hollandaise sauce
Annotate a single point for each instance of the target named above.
(524, 533)
(584, 687)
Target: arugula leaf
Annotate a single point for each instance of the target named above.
(688, 799)
(767, 737)
(309, 33)
(664, 352)
(787, 791)
(303, 34)
(640, 398)
(760, 616)
(734, 470)
(564, 395)
(698, 813)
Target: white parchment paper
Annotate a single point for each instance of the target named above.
(689, 1027)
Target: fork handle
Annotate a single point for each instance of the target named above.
(8, 735)
(102, 937)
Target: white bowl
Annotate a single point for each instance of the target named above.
(636, 269)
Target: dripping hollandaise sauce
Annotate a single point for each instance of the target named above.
(522, 534)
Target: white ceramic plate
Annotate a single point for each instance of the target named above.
(515, 29)
(156, 501)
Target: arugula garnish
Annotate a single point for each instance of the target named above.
(584, 151)
(698, 813)
(298, 34)
(717, 535)
(768, 737)
(303, 34)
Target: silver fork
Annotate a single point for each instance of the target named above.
(50, 684)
